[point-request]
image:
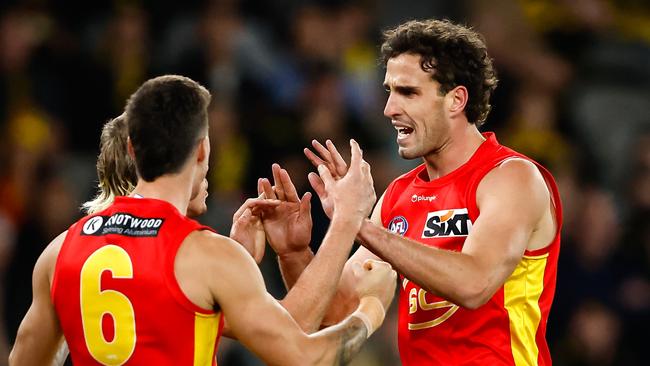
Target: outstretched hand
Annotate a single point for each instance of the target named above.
(247, 228)
(330, 157)
(339, 187)
(288, 226)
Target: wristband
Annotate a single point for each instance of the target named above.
(366, 321)
(371, 312)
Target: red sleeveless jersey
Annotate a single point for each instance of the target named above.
(116, 295)
(510, 328)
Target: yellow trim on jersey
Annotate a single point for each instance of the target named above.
(206, 328)
(541, 256)
(521, 294)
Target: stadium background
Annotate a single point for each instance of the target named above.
(574, 94)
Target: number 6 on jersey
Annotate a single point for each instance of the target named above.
(96, 303)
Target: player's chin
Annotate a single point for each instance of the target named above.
(197, 210)
(408, 154)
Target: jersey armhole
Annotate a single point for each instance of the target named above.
(57, 263)
(172, 283)
(550, 186)
(557, 212)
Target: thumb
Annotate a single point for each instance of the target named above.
(369, 264)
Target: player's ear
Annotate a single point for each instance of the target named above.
(129, 148)
(456, 100)
(203, 147)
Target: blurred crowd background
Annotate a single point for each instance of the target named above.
(574, 94)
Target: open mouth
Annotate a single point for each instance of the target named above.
(404, 131)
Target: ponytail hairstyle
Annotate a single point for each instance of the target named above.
(116, 172)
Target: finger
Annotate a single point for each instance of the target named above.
(260, 188)
(267, 189)
(315, 159)
(246, 216)
(339, 164)
(325, 175)
(317, 184)
(371, 264)
(240, 210)
(262, 203)
(357, 269)
(357, 154)
(277, 182)
(368, 264)
(305, 204)
(322, 150)
(257, 203)
(290, 192)
(365, 169)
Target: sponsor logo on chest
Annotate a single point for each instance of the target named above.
(447, 223)
(422, 198)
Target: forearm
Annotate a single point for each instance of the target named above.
(344, 300)
(454, 276)
(293, 264)
(310, 297)
(29, 351)
(340, 343)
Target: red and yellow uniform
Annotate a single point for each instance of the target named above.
(116, 294)
(510, 328)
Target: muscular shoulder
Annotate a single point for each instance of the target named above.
(515, 183)
(206, 252)
(211, 246)
(47, 261)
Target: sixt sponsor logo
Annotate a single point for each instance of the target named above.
(122, 224)
(398, 225)
(418, 198)
(445, 223)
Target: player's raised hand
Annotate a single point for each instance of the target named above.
(247, 228)
(352, 195)
(288, 225)
(375, 278)
(329, 156)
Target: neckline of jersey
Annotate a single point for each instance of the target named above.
(490, 142)
(139, 200)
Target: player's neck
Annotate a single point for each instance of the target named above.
(460, 147)
(173, 188)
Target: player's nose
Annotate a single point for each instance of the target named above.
(391, 109)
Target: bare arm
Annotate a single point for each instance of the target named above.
(512, 199)
(310, 297)
(258, 320)
(294, 260)
(353, 197)
(346, 300)
(39, 334)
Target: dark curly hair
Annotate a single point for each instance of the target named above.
(453, 54)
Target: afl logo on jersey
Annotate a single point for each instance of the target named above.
(92, 225)
(398, 225)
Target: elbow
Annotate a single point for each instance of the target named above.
(12, 358)
(473, 296)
